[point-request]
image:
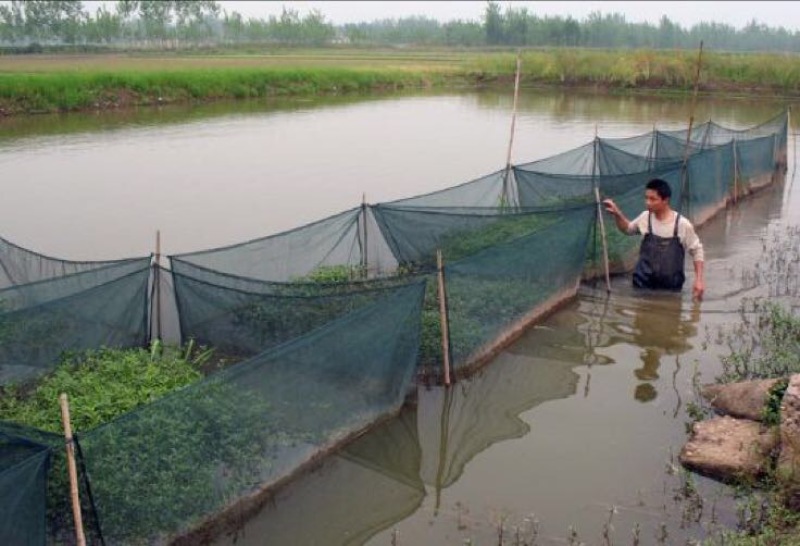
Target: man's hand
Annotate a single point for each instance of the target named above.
(698, 289)
(611, 207)
(619, 218)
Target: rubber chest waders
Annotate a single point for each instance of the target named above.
(660, 265)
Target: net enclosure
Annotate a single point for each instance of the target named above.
(328, 324)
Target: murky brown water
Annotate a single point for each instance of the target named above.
(586, 412)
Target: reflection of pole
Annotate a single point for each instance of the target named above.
(684, 174)
(72, 471)
(603, 238)
(443, 319)
(444, 433)
(735, 171)
(794, 147)
(505, 196)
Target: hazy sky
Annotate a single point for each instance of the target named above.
(687, 13)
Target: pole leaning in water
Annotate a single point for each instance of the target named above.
(80, 538)
(600, 213)
(684, 174)
(513, 126)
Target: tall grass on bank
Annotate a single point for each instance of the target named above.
(646, 69)
(69, 82)
(62, 91)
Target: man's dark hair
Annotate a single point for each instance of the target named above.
(661, 187)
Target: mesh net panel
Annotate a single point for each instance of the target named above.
(578, 162)
(710, 174)
(491, 290)
(414, 234)
(163, 468)
(23, 491)
(21, 266)
(641, 145)
(40, 321)
(486, 191)
(542, 189)
(756, 157)
(333, 241)
(241, 317)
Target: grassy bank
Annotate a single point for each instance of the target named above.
(51, 83)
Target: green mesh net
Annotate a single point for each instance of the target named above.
(40, 320)
(334, 318)
(23, 489)
(240, 317)
(493, 290)
(20, 266)
(162, 469)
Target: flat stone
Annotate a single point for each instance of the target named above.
(789, 457)
(729, 449)
(745, 400)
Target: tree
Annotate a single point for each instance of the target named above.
(493, 23)
(315, 30)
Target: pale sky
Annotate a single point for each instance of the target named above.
(686, 13)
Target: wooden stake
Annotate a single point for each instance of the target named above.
(603, 237)
(157, 280)
(513, 125)
(443, 319)
(365, 260)
(684, 182)
(73, 473)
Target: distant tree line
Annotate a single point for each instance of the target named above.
(181, 23)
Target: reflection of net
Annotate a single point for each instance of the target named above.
(335, 315)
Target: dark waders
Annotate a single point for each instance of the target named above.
(660, 265)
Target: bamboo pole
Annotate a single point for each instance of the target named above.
(157, 280)
(443, 319)
(513, 125)
(600, 211)
(603, 238)
(684, 175)
(651, 153)
(364, 257)
(71, 469)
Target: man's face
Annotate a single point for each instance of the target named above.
(653, 202)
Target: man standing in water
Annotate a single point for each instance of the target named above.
(667, 237)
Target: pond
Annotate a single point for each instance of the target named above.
(574, 429)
